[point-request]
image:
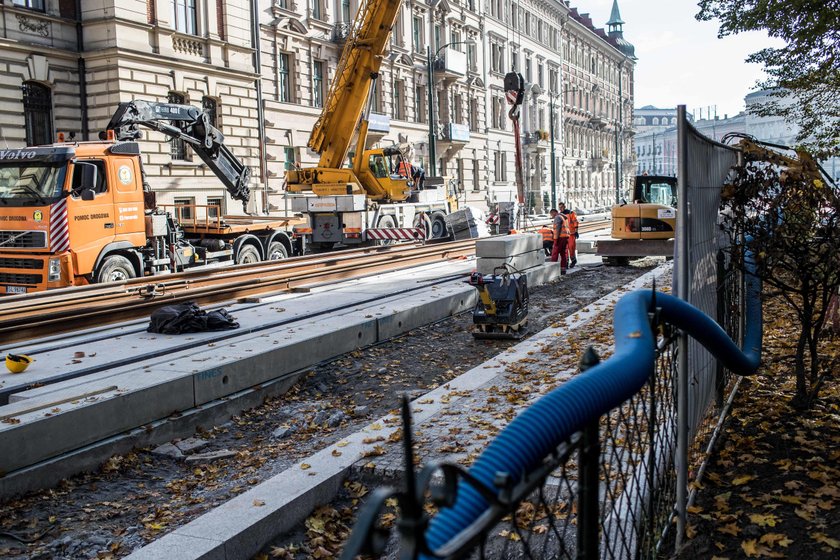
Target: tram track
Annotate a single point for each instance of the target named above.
(46, 314)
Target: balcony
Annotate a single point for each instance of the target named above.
(451, 64)
(455, 133)
(537, 140)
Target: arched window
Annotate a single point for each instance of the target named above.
(37, 113)
(674, 121)
(655, 121)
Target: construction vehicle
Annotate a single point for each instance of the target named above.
(645, 227)
(75, 213)
(501, 311)
(373, 201)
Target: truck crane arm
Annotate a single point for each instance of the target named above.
(195, 129)
(366, 43)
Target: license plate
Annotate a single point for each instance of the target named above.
(15, 289)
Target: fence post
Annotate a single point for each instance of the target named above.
(682, 272)
(722, 301)
(589, 467)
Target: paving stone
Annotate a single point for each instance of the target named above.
(210, 456)
(283, 432)
(168, 450)
(191, 444)
(336, 419)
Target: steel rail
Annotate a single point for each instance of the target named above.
(228, 285)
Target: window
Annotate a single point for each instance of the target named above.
(289, 156)
(378, 166)
(318, 83)
(455, 37)
(215, 207)
(420, 104)
(37, 113)
(476, 176)
(376, 98)
(399, 104)
(184, 208)
(316, 9)
(345, 11)
(474, 114)
(183, 16)
(471, 58)
(437, 36)
(284, 84)
(177, 147)
(552, 81)
(210, 106)
(529, 78)
(417, 33)
(540, 74)
(31, 4)
(101, 185)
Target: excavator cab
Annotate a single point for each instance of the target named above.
(652, 214)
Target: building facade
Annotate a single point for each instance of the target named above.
(262, 69)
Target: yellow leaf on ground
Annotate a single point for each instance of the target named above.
(825, 539)
(749, 547)
(741, 480)
(762, 520)
(731, 529)
(772, 539)
(305, 466)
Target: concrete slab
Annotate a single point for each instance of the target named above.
(522, 261)
(50, 426)
(506, 245)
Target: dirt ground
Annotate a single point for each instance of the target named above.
(773, 488)
(138, 497)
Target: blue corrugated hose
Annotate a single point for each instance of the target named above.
(541, 427)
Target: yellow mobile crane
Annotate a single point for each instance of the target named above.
(375, 200)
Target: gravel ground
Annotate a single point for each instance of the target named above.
(138, 497)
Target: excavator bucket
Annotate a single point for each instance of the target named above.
(501, 311)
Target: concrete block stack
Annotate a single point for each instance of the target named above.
(523, 251)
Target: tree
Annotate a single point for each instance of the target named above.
(807, 68)
(783, 210)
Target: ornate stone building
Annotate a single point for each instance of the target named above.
(266, 99)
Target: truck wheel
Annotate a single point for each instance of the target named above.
(276, 252)
(114, 269)
(386, 222)
(247, 254)
(439, 228)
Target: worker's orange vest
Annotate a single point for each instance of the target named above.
(573, 222)
(547, 234)
(404, 169)
(564, 227)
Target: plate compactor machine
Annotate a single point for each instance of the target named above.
(502, 308)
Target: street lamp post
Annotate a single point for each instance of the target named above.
(430, 64)
(553, 158)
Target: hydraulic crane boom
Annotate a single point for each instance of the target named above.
(206, 140)
(360, 61)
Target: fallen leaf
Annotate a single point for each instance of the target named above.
(258, 503)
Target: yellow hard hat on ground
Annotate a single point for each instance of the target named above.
(17, 363)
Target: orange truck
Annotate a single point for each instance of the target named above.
(76, 213)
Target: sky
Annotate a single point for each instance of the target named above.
(680, 60)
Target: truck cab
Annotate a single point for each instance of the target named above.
(87, 196)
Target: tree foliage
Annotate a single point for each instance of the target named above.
(807, 67)
(787, 214)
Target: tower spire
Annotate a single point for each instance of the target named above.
(615, 25)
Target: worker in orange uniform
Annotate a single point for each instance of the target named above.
(547, 233)
(573, 234)
(561, 239)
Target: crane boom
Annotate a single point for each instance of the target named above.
(360, 60)
(206, 140)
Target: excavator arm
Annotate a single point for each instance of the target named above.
(366, 44)
(194, 128)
